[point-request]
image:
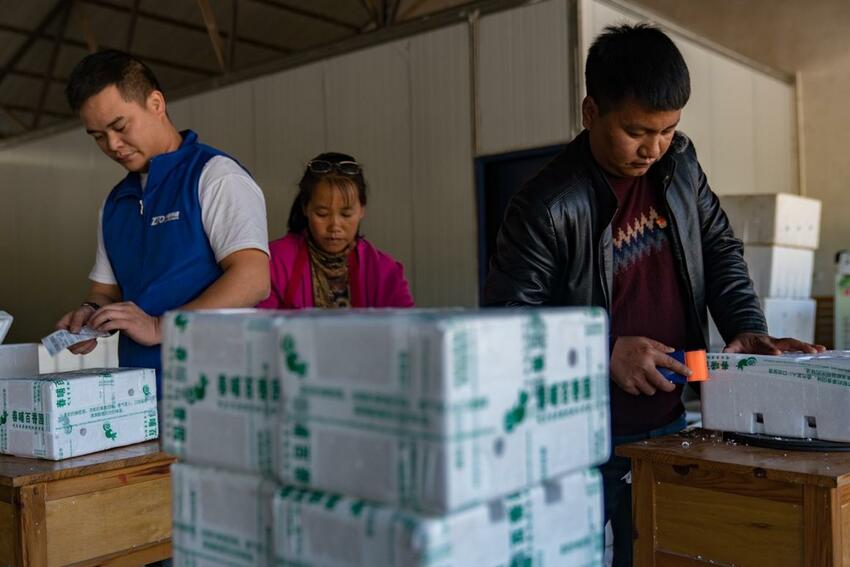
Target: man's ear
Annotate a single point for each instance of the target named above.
(589, 112)
(156, 102)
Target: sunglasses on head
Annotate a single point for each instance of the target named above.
(325, 166)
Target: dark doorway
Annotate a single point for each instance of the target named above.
(497, 178)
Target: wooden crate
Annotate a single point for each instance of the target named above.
(698, 500)
(108, 508)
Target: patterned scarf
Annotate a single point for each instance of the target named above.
(330, 277)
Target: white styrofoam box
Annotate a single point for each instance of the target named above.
(558, 522)
(221, 388)
(790, 318)
(5, 324)
(56, 416)
(781, 272)
(841, 305)
(792, 395)
(793, 318)
(18, 361)
(220, 517)
(779, 219)
(434, 410)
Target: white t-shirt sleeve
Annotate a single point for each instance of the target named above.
(233, 208)
(101, 272)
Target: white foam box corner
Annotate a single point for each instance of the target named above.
(435, 410)
(793, 395)
(220, 517)
(221, 389)
(67, 414)
(790, 317)
(780, 271)
(559, 522)
(19, 360)
(793, 318)
(776, 219)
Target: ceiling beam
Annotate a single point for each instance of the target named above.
(411, 9)
(33, 110)
(148, 59)
(182, 25)
(32, 36)
(33, 75)
(231, 43)
(131, 31)
(370, 9)
(14, 118)
(85, 23)
(61, 29)
(393, 16)
(212, 29)
(319, 17)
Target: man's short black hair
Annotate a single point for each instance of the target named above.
(134, 80)
(639, 62)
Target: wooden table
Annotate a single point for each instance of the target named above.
(108, 508)
(697, 499)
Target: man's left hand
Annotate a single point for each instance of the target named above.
(128, 318)
(757, 343)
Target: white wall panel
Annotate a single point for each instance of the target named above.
(443, 196)
(775, 139)
(696, 117)
(367, 96)
(524, 78)
(289, 129)
(50, 192)
(732, 117)
(223, 118)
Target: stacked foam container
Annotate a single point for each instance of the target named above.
(392, 438)
(793, 395)
(67, 414)
(780, 233)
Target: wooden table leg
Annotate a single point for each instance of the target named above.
(822, 541)
(33, 528)
(643, 513)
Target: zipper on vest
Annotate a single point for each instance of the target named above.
(141, 207)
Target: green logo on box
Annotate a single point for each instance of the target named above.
(293, 363)
(107, 430)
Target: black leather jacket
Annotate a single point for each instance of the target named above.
(555, 248)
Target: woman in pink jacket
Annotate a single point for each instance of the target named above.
(323, 261)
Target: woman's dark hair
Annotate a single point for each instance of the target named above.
(335, 178)
(134, 80)
(638, 62)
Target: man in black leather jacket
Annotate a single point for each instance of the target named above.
(624, 219)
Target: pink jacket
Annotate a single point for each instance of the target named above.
(377, 280)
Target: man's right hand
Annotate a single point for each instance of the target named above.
(73, 321)
(633, 365)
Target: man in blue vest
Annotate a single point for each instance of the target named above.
(186, 228)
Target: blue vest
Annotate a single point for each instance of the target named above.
(156, 242)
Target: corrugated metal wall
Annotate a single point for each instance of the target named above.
(525, 82)
(405, 110)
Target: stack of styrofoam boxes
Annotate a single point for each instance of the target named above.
(780, 233)
(61, 415)
(221, 399)
(405, 438)
(792, 395)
